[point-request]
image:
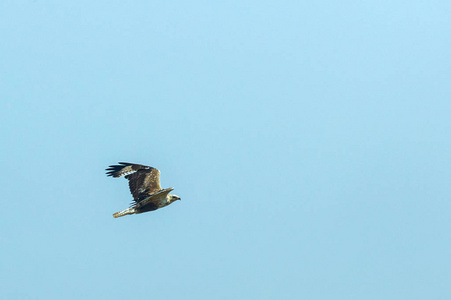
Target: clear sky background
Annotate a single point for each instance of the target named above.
(309, 142)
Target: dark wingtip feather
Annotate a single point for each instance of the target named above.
(119, 170)
(114, 170)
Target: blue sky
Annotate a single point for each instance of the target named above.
(309, 142)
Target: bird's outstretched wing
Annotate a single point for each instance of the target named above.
(142, 180)
(155, 199)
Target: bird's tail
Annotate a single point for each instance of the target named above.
(128, 211)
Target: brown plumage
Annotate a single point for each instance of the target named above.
(144, 183)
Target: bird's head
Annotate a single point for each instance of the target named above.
(173, 198)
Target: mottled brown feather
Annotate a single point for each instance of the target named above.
(143, 180)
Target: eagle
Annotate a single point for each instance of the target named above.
(144, 183)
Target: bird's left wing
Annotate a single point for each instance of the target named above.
(142, 180)
(124, 169)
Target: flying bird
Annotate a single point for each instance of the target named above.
(144, 183)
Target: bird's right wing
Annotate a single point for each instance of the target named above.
(155, 198)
